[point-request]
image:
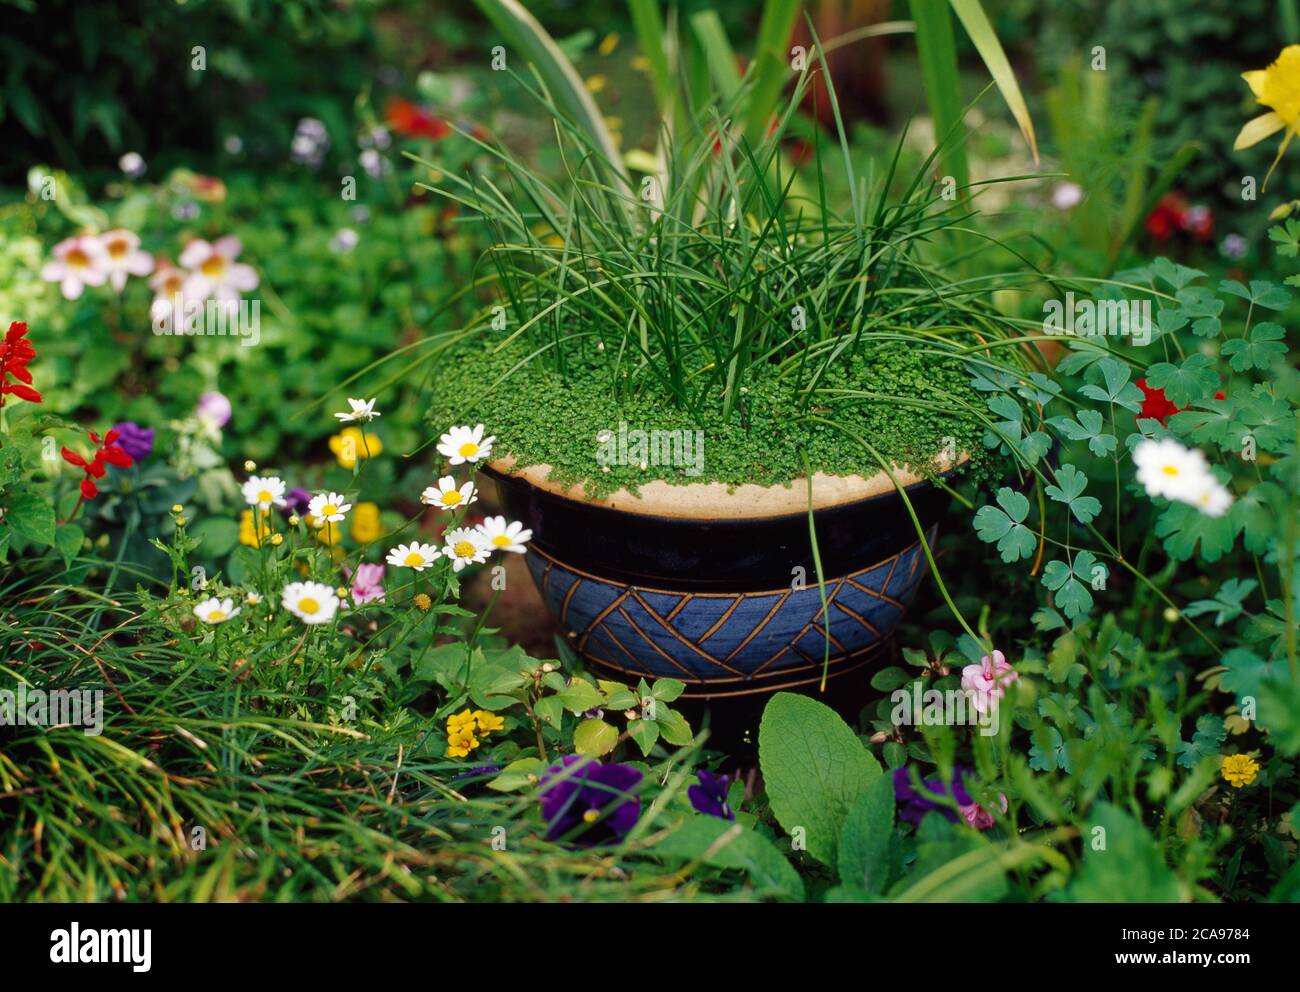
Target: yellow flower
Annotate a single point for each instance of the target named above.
(247, 532)
(1278, 88)
(1239, 769)
(459, 721)
(488, 722)
(422, 601)
(365, 523)
(350, 444)
(461, 743)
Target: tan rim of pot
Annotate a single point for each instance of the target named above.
(718, 501)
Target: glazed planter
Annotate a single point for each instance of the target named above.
(717, 588)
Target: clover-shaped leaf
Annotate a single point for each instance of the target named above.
(1269, 295)
(1190, 382)
(1118, 389)
(1087, 427)
(1072, 596)
(1006, 525)
(1069, 490)
(1260, 352)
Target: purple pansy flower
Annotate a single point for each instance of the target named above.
(135, 440)
(710, 796)
(916, 804)
(296, 500)
(592, 799)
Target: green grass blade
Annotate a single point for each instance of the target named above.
(985, 39)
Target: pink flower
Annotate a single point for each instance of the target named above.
(367, 584)
(214, 271)
(213, 406)
(976, 815)
(123, 257)
(78, 263)
(988, 680)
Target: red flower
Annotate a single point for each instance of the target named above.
(107, 452)
(413, 121)
(15, 352)
(1168, 216)
(1155, 404)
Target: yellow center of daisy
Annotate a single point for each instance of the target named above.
(501, 541)
(216, 615)
(117, 249)
(591, 816)
(468, 450)
(415, 558)
(264, 496)
(451, 498)
(308, 605)
(172, 285)
(328, 510)
(213, 267)
(463, 549)
(77, 258)
(1170, 470)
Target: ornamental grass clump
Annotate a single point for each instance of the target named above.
(717, 287)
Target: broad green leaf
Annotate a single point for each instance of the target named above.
(1269, 295)
(1182, 527)
(815, 769)
(723, 844)
(865, 839)
(594, 737)
(30, 515)
(1088, 427)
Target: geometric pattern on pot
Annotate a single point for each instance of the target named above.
(727, 637)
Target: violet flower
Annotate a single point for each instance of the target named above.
(296, 500)
(710, 796)
(916, 804)
(592, 800)
(135, 440)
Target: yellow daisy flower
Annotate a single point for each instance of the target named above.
(488, 722)
(1239, 769)
(461, 743)
(459, 721)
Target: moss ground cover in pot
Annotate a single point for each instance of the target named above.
(664, 361)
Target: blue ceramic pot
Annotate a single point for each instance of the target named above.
(728, 604)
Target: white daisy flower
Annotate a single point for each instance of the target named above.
(327, 507)
(310, 602)
(414, 555)
(1165, 468)
(78, 263)
(447, 496)
(123, 257)
(264, 491)
(466, 545)
(1213, 500)
(505, 537)
(363, 410)
(214, 271)
(216, 610)
(465, 444)
(253, 598)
